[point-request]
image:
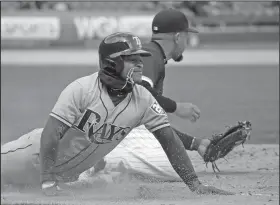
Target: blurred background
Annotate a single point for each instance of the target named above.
(230, 69)
(80, 22)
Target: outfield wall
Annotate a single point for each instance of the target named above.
(48, 29)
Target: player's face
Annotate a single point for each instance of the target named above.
(135, 62)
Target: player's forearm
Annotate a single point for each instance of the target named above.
(190, 143)
(166, 103)
(177, 156)
(52, 133)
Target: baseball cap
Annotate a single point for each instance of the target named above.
(118, 44)
(171, 20)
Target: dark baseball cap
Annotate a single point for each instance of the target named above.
(171, 20)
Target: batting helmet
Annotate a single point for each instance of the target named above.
(112, 49)
(120, 44)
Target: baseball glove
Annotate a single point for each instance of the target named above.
(222, 144)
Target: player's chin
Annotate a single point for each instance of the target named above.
(137, 77)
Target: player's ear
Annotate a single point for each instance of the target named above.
(177, 37)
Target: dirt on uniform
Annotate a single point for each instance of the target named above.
(251, 172)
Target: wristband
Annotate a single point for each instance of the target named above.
(191, 147)
(195, 144)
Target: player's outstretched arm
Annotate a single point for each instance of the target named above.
(181, 163)
(53, 131)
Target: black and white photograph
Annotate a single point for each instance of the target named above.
(139, 102)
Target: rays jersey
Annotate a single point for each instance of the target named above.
(97, 126)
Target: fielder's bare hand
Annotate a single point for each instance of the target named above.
(188, 111)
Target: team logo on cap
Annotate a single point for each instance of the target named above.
(157, 109)
(155, 28)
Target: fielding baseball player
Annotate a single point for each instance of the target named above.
(170, 29)
(92, 116)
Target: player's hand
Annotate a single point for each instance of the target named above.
(188, 111)
(200, 188)
(205, 189)
(50, 188)
(204, 143)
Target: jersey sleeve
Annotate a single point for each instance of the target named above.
(154, 117)
(69, 104)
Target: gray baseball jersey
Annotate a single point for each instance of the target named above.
(97, 126)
